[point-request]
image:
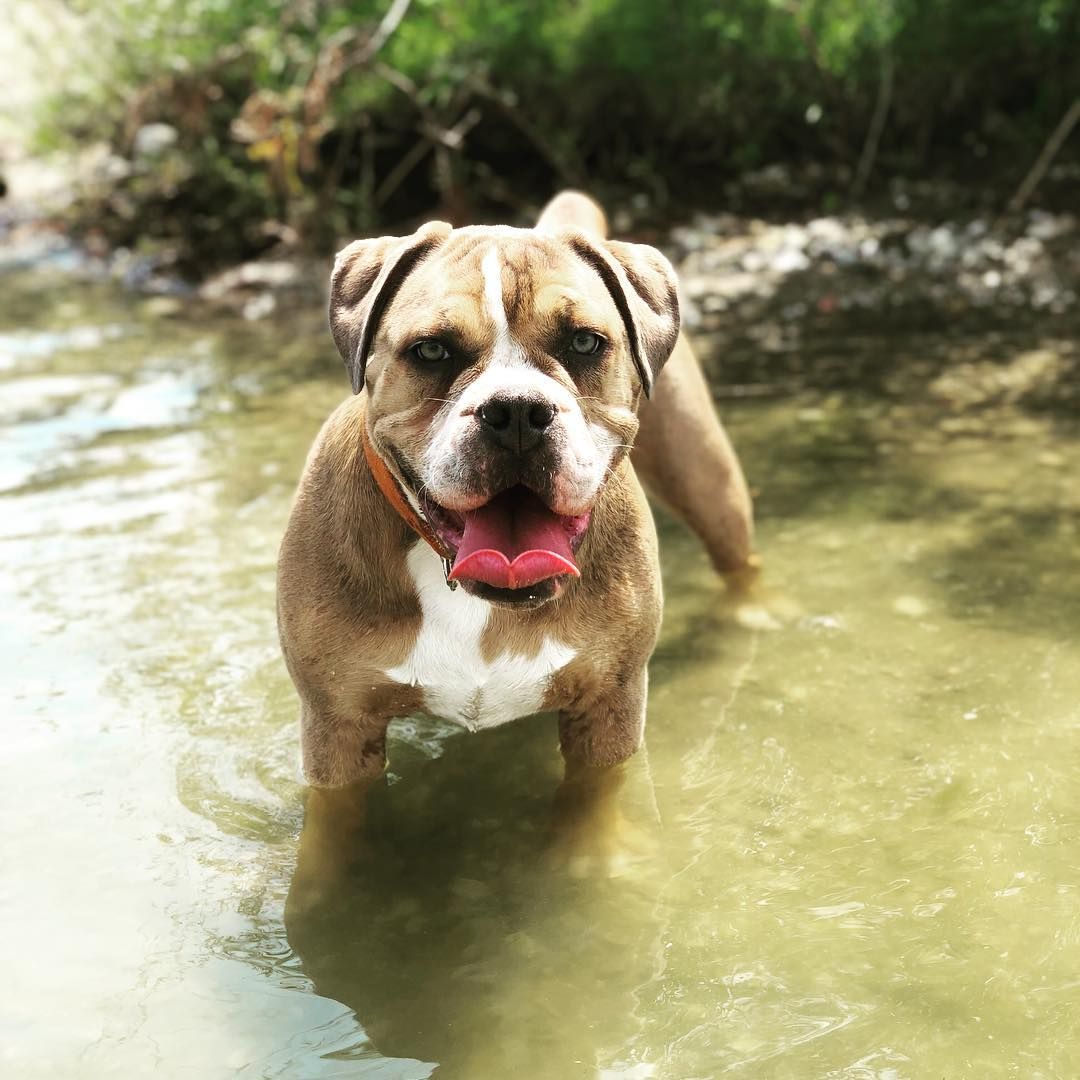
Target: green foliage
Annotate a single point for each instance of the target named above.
(503, 100)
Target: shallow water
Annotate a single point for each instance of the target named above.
(858, 806)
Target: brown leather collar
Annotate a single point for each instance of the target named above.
(396, 497)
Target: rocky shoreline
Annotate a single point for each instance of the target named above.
(763, 295)
(729, 266)
(851, 263)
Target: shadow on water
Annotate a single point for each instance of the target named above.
(452, 937)
(1014, 570)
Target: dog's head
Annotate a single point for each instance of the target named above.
(503, 369)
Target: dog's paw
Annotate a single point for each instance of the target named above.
(744, 580)
(586, 850)
(332, 841)
(752, 604)
(591, 837)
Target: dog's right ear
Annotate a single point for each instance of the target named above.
(365, 278)
(642, 285)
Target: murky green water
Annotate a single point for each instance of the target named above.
(862, 826)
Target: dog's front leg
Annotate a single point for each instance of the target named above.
(331, 840)
(591, 833)
(343, 758)
(340, 748)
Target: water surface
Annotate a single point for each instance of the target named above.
(857, 811)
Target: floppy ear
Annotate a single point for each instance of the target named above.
(365, 278)
(643, 286)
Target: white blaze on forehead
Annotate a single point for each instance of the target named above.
(491, 268)
(507, 351)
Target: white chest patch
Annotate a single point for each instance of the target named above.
(458, 684)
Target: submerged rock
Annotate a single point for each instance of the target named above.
(1030, 378)
(258, 289)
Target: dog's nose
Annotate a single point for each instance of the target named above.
(517, 424)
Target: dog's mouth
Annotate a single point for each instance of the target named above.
(512, 546)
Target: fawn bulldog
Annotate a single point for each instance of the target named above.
(469, 538)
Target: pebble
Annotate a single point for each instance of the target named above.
(1051, 459)
(469, 889)
(153, 140)
(162, 306)
(910, 606)
(259, 307)
(755, 617)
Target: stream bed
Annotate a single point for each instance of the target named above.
(858, 803)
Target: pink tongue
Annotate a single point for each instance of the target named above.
(512, 542)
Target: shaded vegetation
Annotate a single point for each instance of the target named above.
(240, 123)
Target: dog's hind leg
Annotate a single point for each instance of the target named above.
(684, 458)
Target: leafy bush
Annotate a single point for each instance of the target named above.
(286, 128)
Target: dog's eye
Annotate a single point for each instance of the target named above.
(430, 351)
(585, 343)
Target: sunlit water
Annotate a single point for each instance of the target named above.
(861, 806)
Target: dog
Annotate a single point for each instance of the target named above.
(469, 538)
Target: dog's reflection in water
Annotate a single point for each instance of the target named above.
(467, 911)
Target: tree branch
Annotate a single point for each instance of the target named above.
(1046, 157)
(877, 124)
(338, 54)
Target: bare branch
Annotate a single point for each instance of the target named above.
(877, 124)
(338, 54)
(390, 22)
(434, 136)
(508, 105)
(396, 176)
(1046, 157)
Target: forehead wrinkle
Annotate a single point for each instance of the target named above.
(563, 305)
(452, 314)
(462, 244)
(524, 262)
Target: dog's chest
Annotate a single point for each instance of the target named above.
(447, 664)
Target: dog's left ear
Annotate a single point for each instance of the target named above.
(643, 285)
(366, 276)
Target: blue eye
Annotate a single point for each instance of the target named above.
(430, 351)
(585, 343)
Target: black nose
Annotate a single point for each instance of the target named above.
(514, 423)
